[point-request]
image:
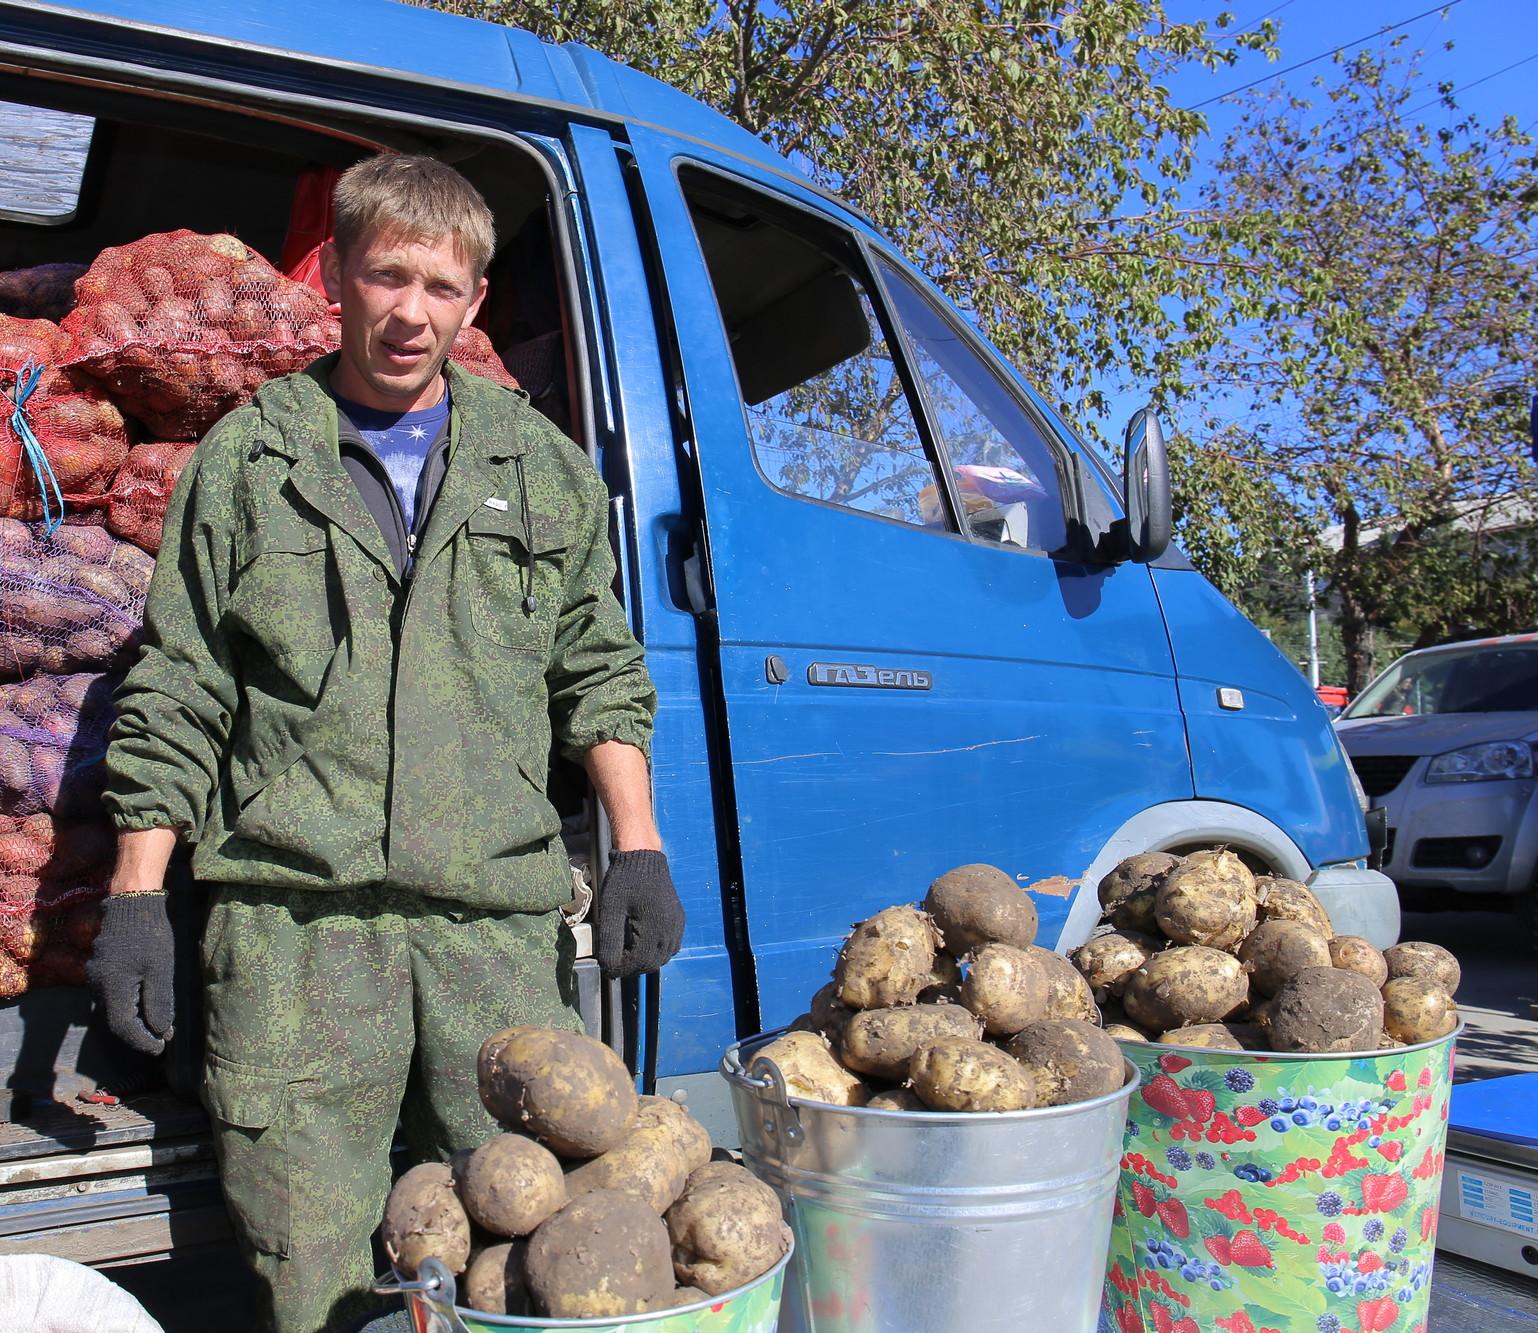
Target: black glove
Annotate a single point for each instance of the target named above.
(130, 970)
(639, 921)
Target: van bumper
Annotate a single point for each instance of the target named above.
(1360, 902)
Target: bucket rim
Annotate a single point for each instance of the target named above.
(625, 1320)
(732, 1070)
(1300, 1057)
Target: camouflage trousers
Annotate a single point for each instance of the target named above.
(330, 1016)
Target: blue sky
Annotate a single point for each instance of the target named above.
(1485, 37)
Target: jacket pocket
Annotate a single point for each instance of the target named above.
(287, 595)
(499, 576)
(249, 1105)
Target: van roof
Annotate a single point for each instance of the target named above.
(424, 44)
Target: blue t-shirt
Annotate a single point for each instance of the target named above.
(401, 439)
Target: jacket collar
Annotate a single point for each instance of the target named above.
(300, 413)
(485, 424)
(299, 421)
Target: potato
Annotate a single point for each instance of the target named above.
(1214, 1036)
(1106, 961)
(1281, 948)
(944, 981)
(1208, 899)
(806, 1063)
(13, 977)
(975, 905)
(423, 1219)
(496, 1282)
(653, 1162)
(1352, 953)
(1287, 900)
(1124, 1032)
(1416, 1009)
(896, 1099)
(1007, 988)
(1326, 1009)
(1139, 874)
(726, 1229)
(1068, 994)
(1250, 1034)
(1137, 912)
(882, 1041)
(829, 1014)
(1418, 958)
(510, 1184)
(887, 960)
(568, 1090)
(1069, 1061)
(1181, 987)
(602, 1255)
(690, 1137)
(958, 1074)
(490, 1048)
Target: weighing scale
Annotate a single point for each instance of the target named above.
(1490, 1182)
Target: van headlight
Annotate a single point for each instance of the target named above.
(1483, 763)
(1356, 782)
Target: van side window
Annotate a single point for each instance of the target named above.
(1006, 472)
(827, 412)
(43, 163)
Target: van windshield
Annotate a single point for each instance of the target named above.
(1480, 680)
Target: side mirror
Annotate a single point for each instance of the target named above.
(1146, 484)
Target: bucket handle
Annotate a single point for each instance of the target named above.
(781, 1119)
(435, 1285)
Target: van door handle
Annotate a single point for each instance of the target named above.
(688, 585)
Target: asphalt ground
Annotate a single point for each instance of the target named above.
(1498, 1000)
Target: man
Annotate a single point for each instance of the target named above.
(381, 582)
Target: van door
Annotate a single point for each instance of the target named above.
(913, 679)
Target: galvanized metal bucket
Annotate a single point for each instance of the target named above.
(753, 1307)
(922, 1221)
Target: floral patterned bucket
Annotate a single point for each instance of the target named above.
(1268, 1193)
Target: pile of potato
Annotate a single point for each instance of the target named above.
(135, 505)
(82, 433)
(70, 601)
(595, 1203)
(950, 1006)
(1199, 951)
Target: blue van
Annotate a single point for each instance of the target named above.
(895, 608)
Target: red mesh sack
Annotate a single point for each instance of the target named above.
(69, 601)
(180, 328)
(52, 878)
(43, 847)
(53, 737)
(46, 291)
(472, 349)
(45, 944)
(78, 432)
(135, 507)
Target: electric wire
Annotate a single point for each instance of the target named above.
(1324, 55)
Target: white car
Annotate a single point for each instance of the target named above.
(1444, 740)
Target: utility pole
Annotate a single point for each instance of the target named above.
(1313, 630)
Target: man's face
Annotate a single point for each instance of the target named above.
(403, 301)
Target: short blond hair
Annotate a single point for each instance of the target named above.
(408, 194)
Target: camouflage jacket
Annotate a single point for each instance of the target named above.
(308, 721)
